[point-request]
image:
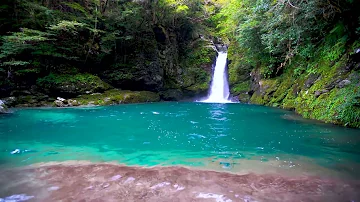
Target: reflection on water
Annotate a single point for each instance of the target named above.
(219, 119)
(224, 137)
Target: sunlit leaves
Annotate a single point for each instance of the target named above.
(67, 26)
(15, 63)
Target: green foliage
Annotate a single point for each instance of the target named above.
(15, 63)
(67, 26)
(116, 96)
(196, 63)
(16, 43)
(323, 99)
(76, 6)
(240, 88)
(274, 32)
(348, 111)
(56, 79)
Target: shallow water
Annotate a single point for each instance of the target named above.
(237, 138)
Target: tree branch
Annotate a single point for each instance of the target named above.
(292, 5)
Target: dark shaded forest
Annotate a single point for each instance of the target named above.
(300, 55)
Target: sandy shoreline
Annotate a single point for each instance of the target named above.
(84, 181)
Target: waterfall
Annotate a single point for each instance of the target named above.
(219, 91)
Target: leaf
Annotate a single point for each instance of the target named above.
(15, 63)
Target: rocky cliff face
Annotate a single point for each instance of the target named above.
(168, 65)
(171, 66)
(328, 91)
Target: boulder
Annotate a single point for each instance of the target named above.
(172, 95)
(67, 85)
(3, 108)
(73, 103)
(60, 99)
(59, 103)
(319, 92)
(311, 80)
(17, 93)
(9, 101)
(343, 83)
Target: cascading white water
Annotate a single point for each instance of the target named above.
(219, 91)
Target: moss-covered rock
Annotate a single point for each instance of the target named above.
(116, 96)
(328, 89)
(239, 75)
(190, 74)
(69, 85)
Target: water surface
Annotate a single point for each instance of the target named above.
(236, 138)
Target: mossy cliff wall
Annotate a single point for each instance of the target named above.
(325, 88)
(171, 68)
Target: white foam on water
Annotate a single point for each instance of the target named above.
(16, 151)
(217, 197)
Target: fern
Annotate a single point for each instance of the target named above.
(15, 63)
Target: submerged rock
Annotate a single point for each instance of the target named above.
(169, 184)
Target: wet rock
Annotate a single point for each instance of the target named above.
(243, 97)
(324, 91)
(107, 100)
(343, 83)
(95, 93)
(20, 93)
(311, 80)
(9, 101)
(68, 85)
(171, 95)
(3, 108)
(42, 97)
(58, 103)
(296, 90)
(332, 84)
(73, 102)
(60, 99)
(319, 92)
(357, 66)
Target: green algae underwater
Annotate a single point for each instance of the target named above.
(237, 138)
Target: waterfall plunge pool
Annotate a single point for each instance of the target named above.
(251, 146)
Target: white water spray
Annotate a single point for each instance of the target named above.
(219, 91)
